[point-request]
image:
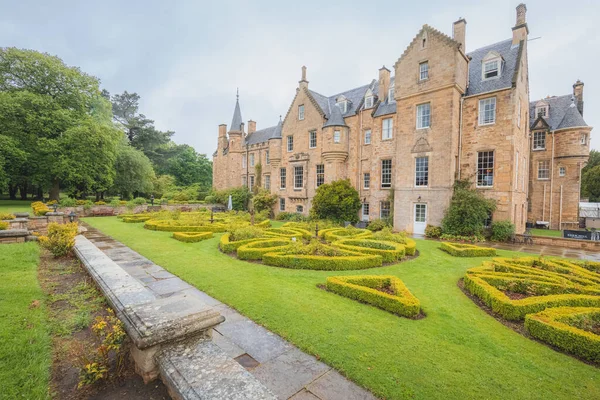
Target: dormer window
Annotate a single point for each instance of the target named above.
(368, 101)
(542, 111)
(391, 98)
(491, 69)
(342, 103)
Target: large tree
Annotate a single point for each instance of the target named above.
(189, 167)
(338, 201)
(134, 172)
(590, 177)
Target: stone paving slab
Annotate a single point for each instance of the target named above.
(304, 395)
(334, 386)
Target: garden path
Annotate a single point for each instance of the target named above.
(287, 371)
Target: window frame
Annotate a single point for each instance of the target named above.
(337, 136)
(387, 133)
(343, 105)
(299, 209)
(282, 178)
(387, 209)
(498, 69)
(244, 180)
(368, 135)
(391, 94)
(369, 102)
(423, 170)
(547, 170)
(282, 204)
(268, 181)
(385, 174)
(244, 161)
(365, 207)
(366, 180)
(296, 176)
(310, 139)
(536, 141)
(251, 182)
(320, 175)
(543, 108)
(421, 115)
(267, 157)
(480, 166)
(301, 112)
(583, 139)
(562, 171)
(482, 111)
(252, 159)
(290, 143)
(423, 71)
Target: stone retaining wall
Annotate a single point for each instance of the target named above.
(94, 210)
(562, 242)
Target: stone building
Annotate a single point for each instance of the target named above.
(405, 138)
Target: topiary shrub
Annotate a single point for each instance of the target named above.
(433, 232)
(378, 224)
(210, 199)
(68, 202)
(386, 234)
(350, 232)
(60, 239)
(502, 231)
(256, 249)
(138, 201)
(288, 232)
(389, 251)
(192, 237)
(467, 250)
(386, 292)
(337, 201)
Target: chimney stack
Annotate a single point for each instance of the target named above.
(251, 127)
(303, 82)
(384, 83)
(223, 142)
(520, 30)
(242, 129)
(578, 93)
(459, 30)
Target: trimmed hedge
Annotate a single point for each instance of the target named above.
(229, 247)
(554, 326)
(192, 237)
(467, 250)
(256, 249)
(165, 226)
(333, 234)
(288, 233)
(389, 251)
(410, 246)
(349, 261)
(363, 288)
(133, 219)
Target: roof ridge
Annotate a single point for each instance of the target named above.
(489, 45)
(431, 29)
(551, 97)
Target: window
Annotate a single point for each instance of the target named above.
(301, 112)
(268, 182)
(544, 169)
(312, 136)
(366, 180)
(539, 140)
(320, 174)
(251, 181)
(423, 116)
(336, 137)
(368, 136)
(517, 171)
(420, 212)
(421, 171)
(583, 139)
(290, 144)
(243, 161)
(387, 127)
(541, 111)
(343, 105)
(519, 113)
(299, 209)
(391, 98)
(384, 209)
(386, 173)
(365, 211)
(485, 168)
(487, 111)
(423, 71)
(252, 160)
(298, 177)
(491, 69)
(244, 181)
(562, 171)
(267, 157)
(282, 177)
(368, 101)
(282, 204)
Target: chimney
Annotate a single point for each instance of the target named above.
(251, 127)
(222, 130)
(459, 32)
(223, 142)
(242, 129)
(384, 83)
(520, 30)
(578, 93)
(303, 82)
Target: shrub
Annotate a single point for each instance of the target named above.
(39, 208)
(210, 200)
(60, 239)
(239, 197)
(264, 201)
(229, 246)
(459, 238)
(351, 261)
(559, 327)
(502, 231)
(68, 202)
(135, 218)
(51, 202)
(365, 289)
(246, 232)
(389, 251)
(100, 203)
(350, 232)
(3, 225)
(192, 237)
(256, 249)
(82, 202)
(378, 224)
(6, 216)
(387, 235)
(288, 232)
(293, 217)
(433, 232)
(338, 201)
(467, 212)
(139, 201)
(467, 250)
(115, 202)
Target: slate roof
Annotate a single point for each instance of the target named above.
(354, 96)
(387, 107)
(335, 117)
(510, 55)
(236, 121)
(562, 112)
(264, 135)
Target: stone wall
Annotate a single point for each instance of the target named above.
(562, 242)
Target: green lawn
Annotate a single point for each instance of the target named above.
(546, 232)
(10, 206)
(456, 352)
(25, 345)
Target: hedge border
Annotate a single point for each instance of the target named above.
(291, 232)
(192, 237)
(256, 249)
(388, 256)
(229, 247)
(547, 326)
(349, 261)
(156, 225)
(330, 234)
(361, 288)
(467, 250)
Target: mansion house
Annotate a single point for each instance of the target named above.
(404, 139)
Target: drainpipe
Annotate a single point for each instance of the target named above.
(544, 204)
(551, 180)
(360, 166)
(560, 209)
(460, 124)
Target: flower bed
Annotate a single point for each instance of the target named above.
(192, 237)
(386, 292)
(564, 327)
(255, 249)
(389, 251)
(467, 250)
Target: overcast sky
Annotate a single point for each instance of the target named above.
(186, 58)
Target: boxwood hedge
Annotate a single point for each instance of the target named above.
(348, 261)
(192, 237)
(389, 251)
(256, 249)
(467, 250)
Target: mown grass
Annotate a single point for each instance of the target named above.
(456, 352)
(25, 346)
(11, 206)
(546, 232)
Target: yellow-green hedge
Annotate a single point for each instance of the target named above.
(165, 226)
(389, 251)
(3, 225)
(467, 250)
(256, 249)
(333, 234)
(410, 246)
(192, 237)
(133, 219)
(229, 247)
(363, 289)
(6, 216)
(349, 261)
(288, 232)
(552, 326)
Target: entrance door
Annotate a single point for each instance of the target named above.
(365, 212)
(420, 219)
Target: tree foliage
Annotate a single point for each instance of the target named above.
(338, 201)
(590, 178)
(134, 172)
(467, 212)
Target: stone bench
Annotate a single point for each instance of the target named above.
(171, 335)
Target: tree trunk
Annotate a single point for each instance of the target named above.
(12, 192)
(102, 195)
(55, 190)
(40, 194)
(23, 191)
(97, 196)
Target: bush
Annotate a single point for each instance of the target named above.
(387, 235)
(229, 246)
(138, 201)
(389, 251)
(210, 200)
(115, 202)
(3, 225)
(292, 217)
(192, 237)
(256, 249)
(239, 197)
(39, 208)
(288, 232)
(264, 201)
(246, 232)
(467, 250)
(433, 232)
(6, 216)
(350, 232)
(364, 289)
(459, 238)
(467, 212)
(338, 201)
(502, 231)
(60, 239)
(351, 261)
(68, 202)
(378, 224)
(558, 327)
